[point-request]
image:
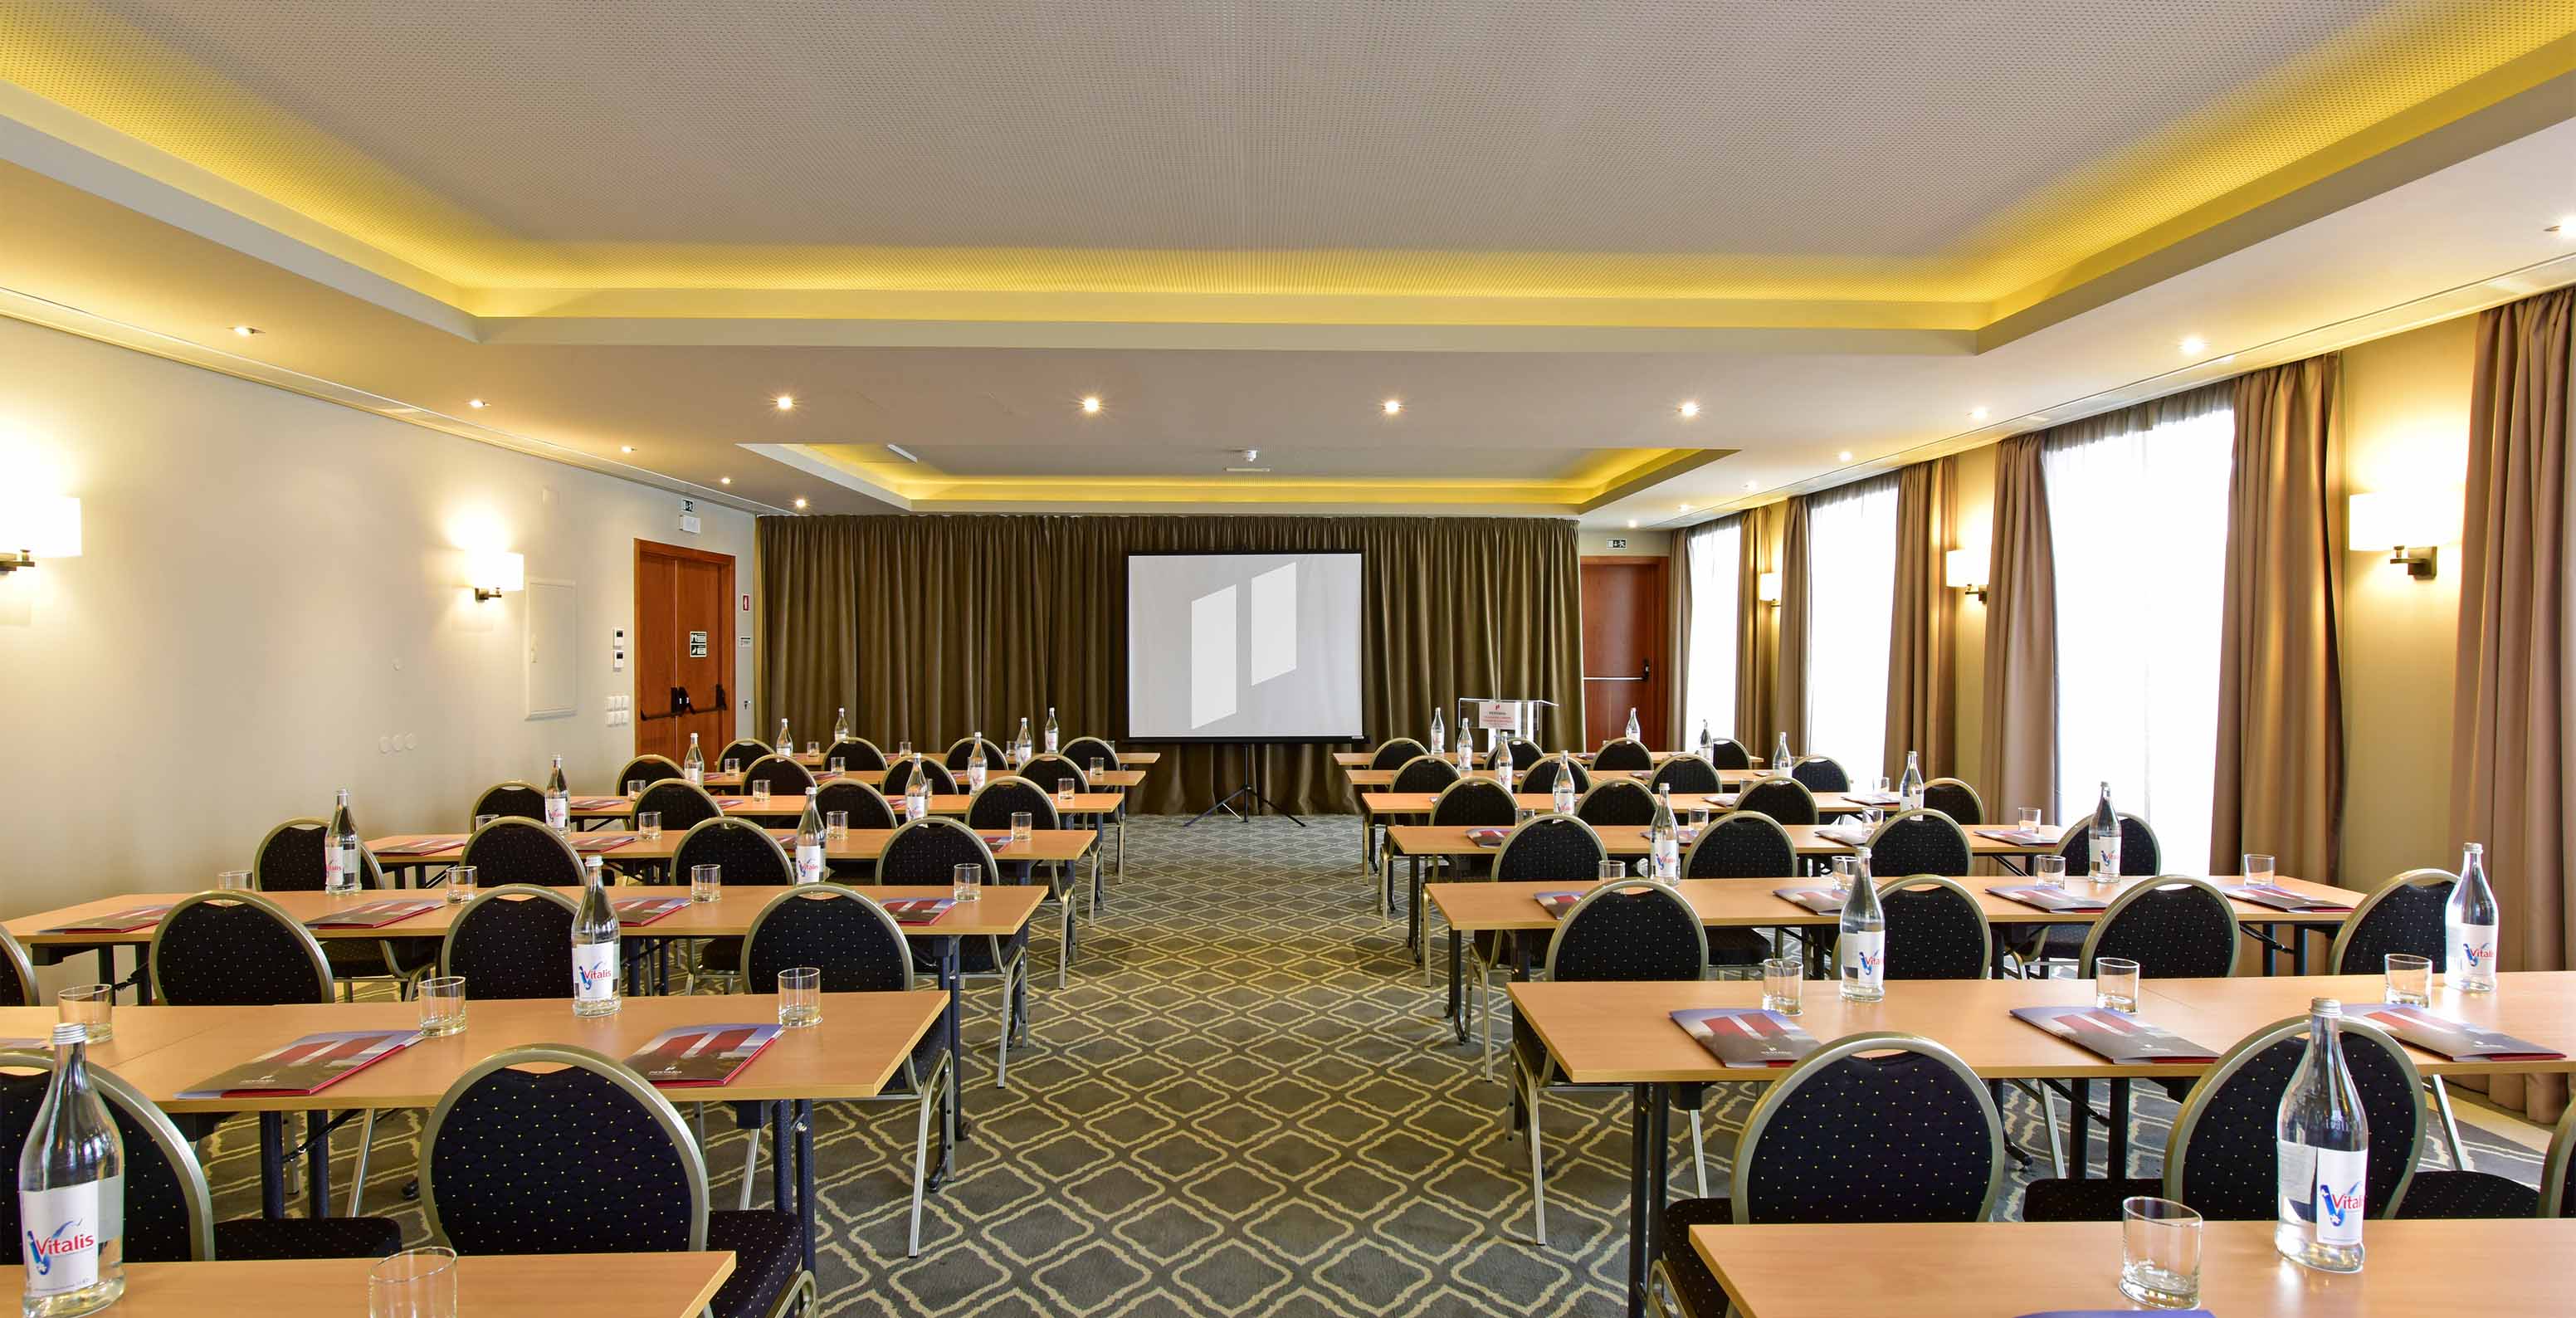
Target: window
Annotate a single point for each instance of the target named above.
(1851, 595)
(2139, 520)
(1708, 689)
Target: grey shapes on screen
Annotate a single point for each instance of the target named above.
(1274, 623)
(1212, 657)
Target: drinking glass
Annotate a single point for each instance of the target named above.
(233, 881)
(1784, 985)
(1611, 871)
(903, 750)
(813, 748)
(416, 1283)
(966, 882)
(836, 825)
(732, 766)
(481, 820)
(2410, 980)
(2258, 869)
(839, 765)
(760, 792)
(460, 884)
(442, 1005)
(800, 997)
(2030, 817)
(706, 882)
(2048, 871)
(92, 1005)
(1099, 766)
(2159, 1253)
(1878, 785)
(1064, 791)
(1844, 868)
(1699, 816)
(1022, 823)
(2115, 983)
(648, 824)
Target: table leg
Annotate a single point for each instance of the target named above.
(1640, 1099)
(781, 1156)
(805, 1175)
(2117, 1137)
(272, 1165)
(2079, 1135)
(952, 968)
(2298, 949)
(1457, 986)
(317, 1162)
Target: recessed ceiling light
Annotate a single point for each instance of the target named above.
(800, 503)
(245, 330)
(625, 448)
(477, 404)
(724, 480)
(2193, 345)
(1978, 414)
(1252, 455)
(1685, 507)
(2565, 228)
(1689, 409)
(1844, 456)
(1632, 523)
(786, 402)
(1091, 404)
(1393, 406)
(1752, 484)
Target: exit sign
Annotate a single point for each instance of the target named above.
(1618, 542)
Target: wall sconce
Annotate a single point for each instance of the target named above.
(1766, 588)
(1965, 569)
(495, 573)
(2411, 525)
(34, 527)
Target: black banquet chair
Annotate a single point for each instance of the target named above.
(1923, 841)
(928, 851)
(513, 941)
(1955, 798)
(2404, 914)
(1623, 753)
(1687, 774)
(1543, 776)
(1394, 752)
(1616, 803)
(1821, 773)
(898, 778)
(1784, 799)
(856, 753)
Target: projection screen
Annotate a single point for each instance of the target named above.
(1243, 647)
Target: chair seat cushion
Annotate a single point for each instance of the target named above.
(1697, 1288)
(307, 1238)
(1737, 947)
(721, 956)
(974, 955)
(768, 1252)
(2467, 1194)
(364, 958)
(2093, 1199)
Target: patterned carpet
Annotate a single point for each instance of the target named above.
(1243, 1103)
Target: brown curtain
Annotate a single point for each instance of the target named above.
(2514, 727)
(1789, 680)
(1677, 649)
(1757, 629)
(932, 627)
(2020, 726)
(1921, 715)
(2279, 785)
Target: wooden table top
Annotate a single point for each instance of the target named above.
(1361, 759)
(1622, 1033)
(1990, 1269)
(1374, 804)
(1630, 840)
(1000, 910)
(555, 1285)
(1756, 903)
(862, 1039)
(784, 806)
(720, 783)
(1142, 759)
(860, 844)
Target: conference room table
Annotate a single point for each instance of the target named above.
(1138, 759)
(1621, 1033)
(1362, 759)
(673, 1285)
(403, 851)
(1985, 1269)
(857, 1046)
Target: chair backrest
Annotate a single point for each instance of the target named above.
(2223, 1155)
(865, 805)
(1924, 841)
(646, 769)
(1821, 773)
(514, 799)
(1741, 844)
(962, 751)
(1686, 773)
(2140, 854)
(1550, 848)
(1542, 776)
(1784, 799)
(2557, 1196)
(1955, 798)
(1083, 750)
(17, 974)
(1475, 803)
(743, 749)
(514, 850)
(513, 941)
(1004, 797)
(856, 753)
(1424, 773)
(839, 931)
(1936, 929)
(169, 1211)
(1623, 753)
(750, 857)
(1907, 1136)
(1614, 802)
(1728, 753)
(1047, 770)
(584, 1159)
(1394, 753)
(899, 774)
(1525, 752)
(290, 859)
(1629, 930)
(929, 851)
(236, 949)
(2402, 915)
(681, 803)
(2174, 927)
(785, 776)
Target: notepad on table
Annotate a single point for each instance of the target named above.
(374, 915)
(1488, 837)
(2020, 837)
(2056, 901)
(698, 1056)
(1873, 798)
(1823, 901)
(602, 841)
(636, 912)
(308, 1065)
(115, 922)
(1850, 837)
(1746, 1036)
(599, 802)
(2283, 899)
(2457, 1040)
(1559, 902)
(919, 910)
(2115, 1036)
(421, 846)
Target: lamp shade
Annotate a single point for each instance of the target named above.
(1963, 569)
(1767, 588)
(498, 572)
(45, 525)
(2396, 519)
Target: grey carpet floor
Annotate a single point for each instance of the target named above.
(1244, 1102)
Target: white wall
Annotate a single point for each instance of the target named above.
(269, 585)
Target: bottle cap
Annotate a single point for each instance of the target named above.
(70, 1032)
(2324, 1007)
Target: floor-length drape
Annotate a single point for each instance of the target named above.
(1677, 648)
(932, 627)
(2279, 783)
(1789, 679)
(1757, 630)
(2019, 735)
(1921, 712)
(2514, 725)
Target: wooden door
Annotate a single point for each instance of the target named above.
(684, 647)
(1623, 649)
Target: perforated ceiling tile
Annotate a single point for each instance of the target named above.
(1881, 148)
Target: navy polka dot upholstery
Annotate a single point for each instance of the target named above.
(156, 1208)
(1934, 931)
(1617, 802)
(1393, 754)
(785, 776)
(1784, 799)
(512, 944)
(2173, 930)
(856, 753)
(961, 753)
(1741, 844)
(2139, 852)
(866, 807)
(1920, 842)
(1686, 773)
(1048, 770)
(744, 750)
(517, 800)
(749, 857)
(235, 952)
(928, 851)
(683, 805)
(1525, 752)
(992, 808)
(846, 935)
(646, 769)
(290, 858)
(1821, 773)
(1623, 753)
(1550, 849)
(1424, 773)
(1475, 803)
(2403, 917)
(1542, 776)
(520, 851)
(1728, 753)
(898, 778)
(1083, 750)
(17, 974)
(306, 1238)
(1633, 930)
(1956, 799)
(2438, 1194)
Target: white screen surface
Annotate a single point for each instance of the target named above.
(1243, 647)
